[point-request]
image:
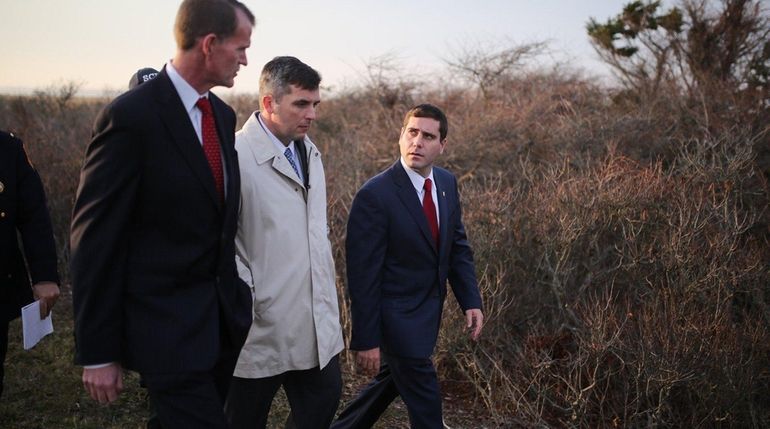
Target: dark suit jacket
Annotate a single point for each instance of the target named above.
(153, 256)
(396, 275)
(23, 209)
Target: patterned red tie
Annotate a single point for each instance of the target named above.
(211, 145)
(430, 210)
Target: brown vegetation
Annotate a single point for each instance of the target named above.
(621, 241)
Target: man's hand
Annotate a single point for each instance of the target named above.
(47, 293)
(475, 321)
(368, 361)
(104, 384)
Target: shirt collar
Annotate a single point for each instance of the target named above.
(187, 93)
(416, 178)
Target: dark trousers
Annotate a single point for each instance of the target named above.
(313, 395)
(415, 380)
(3, 350)
(191, 399)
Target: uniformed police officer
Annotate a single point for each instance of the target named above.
(23, 211)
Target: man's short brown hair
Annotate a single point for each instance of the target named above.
(432, 112)
(197, 18)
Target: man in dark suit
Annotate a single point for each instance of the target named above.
(23, 211)
(405, 238)
(155, 287)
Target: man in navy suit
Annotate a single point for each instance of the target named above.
(155, 286)
(405, 239)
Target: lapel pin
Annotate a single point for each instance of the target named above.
(443, 194)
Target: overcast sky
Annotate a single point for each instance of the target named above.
(100, 43)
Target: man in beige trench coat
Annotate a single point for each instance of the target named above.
(284, 254)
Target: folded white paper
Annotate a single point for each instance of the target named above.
(34, 329)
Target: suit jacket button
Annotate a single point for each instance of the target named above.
(2, 214)
(2, 187)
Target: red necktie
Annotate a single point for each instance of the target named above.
(211, 145)
(430, 210)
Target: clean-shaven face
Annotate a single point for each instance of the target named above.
(421, 144)
(294, 112)
(229, 54)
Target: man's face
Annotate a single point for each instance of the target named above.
(292, 115)
(421, 144)
(228, 54)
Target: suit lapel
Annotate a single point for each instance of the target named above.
(408, 197)
(443, 211)
(281, 164)
(177, 121)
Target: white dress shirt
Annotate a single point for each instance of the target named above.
(189, 97)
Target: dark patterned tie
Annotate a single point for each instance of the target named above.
(430, 210)
(211, 145)
(290, 158)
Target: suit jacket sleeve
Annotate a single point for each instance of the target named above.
(34, 223)
(365, 246)
(101, 217)
(462, 273)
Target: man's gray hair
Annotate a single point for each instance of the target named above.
(281, 72)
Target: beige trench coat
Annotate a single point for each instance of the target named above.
(284, 255)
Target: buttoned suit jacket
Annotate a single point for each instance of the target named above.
(23, 211)
(396, 274)
(154, 281)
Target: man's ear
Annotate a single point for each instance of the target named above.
(443, 146)
(207, 43)
(267, 103)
